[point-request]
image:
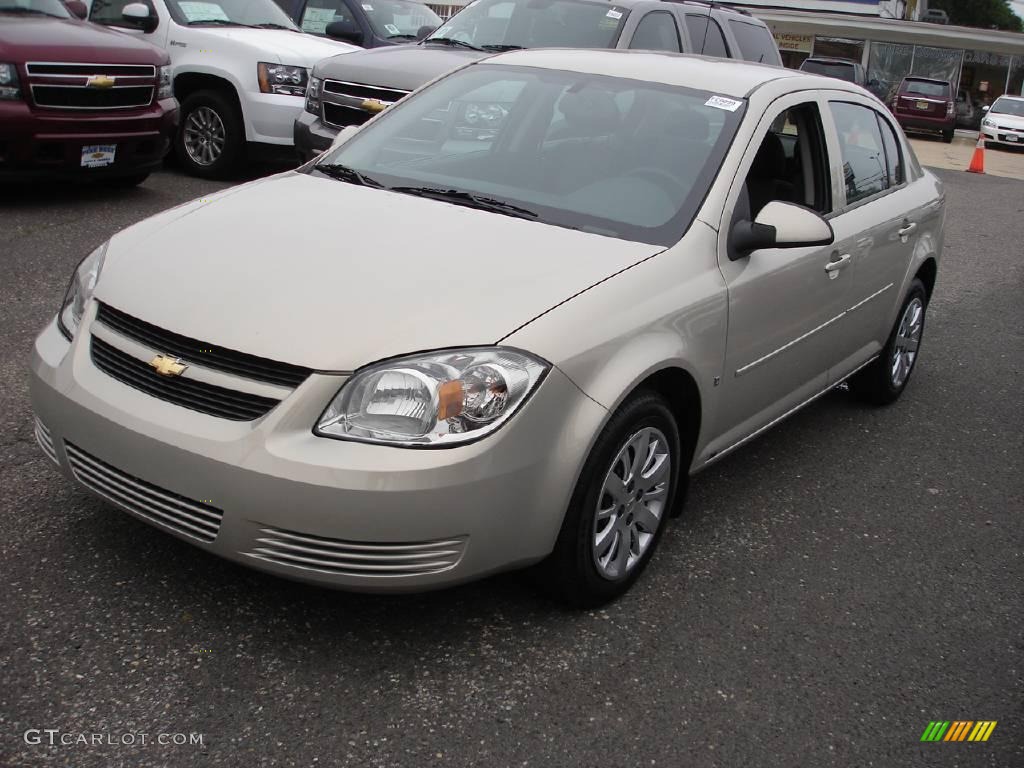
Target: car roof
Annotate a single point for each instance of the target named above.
(730, 77)
(697, 6)
(830, 60)
(1010, 96)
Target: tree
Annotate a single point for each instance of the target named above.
(980, 13)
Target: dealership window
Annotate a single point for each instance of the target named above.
(657, 32)
(888, 64)
(706, 36)
(865, 172)
(1016, 84)
(937, 63)
(839, 48)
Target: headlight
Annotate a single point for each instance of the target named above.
(313, 93)
(80, 290)
(435, 400)
(164, 90)
(481, 121)
(10, 87)
(281, 78)
(988, 123)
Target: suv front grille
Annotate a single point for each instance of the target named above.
(349, 110)
(188, 393)
(58, 69)
(81, 97)
(200, 352)
(341, 115)
(360, 91)
(156, 505)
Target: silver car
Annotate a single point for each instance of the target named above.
(452, 347)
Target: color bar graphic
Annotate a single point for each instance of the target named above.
(958, 730)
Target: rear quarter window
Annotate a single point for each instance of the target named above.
(755, 42)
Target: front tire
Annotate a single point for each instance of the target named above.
(620, 506)
(210, 142)
(883, 381)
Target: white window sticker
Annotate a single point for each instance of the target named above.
(392, 29)
(613, 14)
(199, 11)
(367, 7)
(315, 20)
(721, 102)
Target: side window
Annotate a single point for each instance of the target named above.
(706, 36)
(893, 157)
(319, 13)
(791, 164)
(657, 32)
(860, 141)
(109, 12)
(755, 42)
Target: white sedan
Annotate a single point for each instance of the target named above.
(1004, 122)
(520, 309)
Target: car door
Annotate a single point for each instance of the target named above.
(784, 304)
(875, 223)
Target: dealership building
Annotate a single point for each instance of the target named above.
(891, 41)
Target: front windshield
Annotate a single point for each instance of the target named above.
(241, 13)
(504, 24)
(1008, 107)
(623, 158)
(53, 8)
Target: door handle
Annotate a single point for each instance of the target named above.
(835, 265)
(906, 229)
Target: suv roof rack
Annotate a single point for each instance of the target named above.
(713, 5)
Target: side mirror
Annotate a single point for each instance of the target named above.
(77, 8)
(137, 14)
(985, 108)
(345, 30)
(426, 29)
(779, 225)
(343, 135)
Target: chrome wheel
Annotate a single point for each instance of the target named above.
(631, 504)
(204, 136)
(908, 338)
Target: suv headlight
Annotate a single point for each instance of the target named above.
(282, 78)
(164, 88)
(313, 92)
(80, 290)
(10, 86)
(433, 400)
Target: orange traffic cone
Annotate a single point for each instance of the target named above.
(978, 158)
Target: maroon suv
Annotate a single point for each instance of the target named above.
(77, 99)
(924, 104)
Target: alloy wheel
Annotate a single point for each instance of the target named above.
(204, 136)
(631, 504)
(906, 343)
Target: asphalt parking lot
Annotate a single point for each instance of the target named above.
(844, 580)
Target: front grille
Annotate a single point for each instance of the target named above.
(360, 91)
(80, 97)
(340, 115)
(161, 507)
(45, 441)
(202, 353)
(188, 393)
(36, 68)
(352, 558)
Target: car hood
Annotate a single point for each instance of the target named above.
(319, 273)
(285, 47)
(1006, 121)
(47, 39)
(403, 67)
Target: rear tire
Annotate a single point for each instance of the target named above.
(210, 142)
(947, 136)
(624, 491)
(883, 381)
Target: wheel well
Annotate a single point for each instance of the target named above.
(680, 390)
(189, 82)
(927, 273)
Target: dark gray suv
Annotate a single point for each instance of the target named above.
(350, 89)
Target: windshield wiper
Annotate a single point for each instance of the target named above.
(272, 25)
(469, 200)
(225, 22)
(451, 41)
(403, 36)
(344, 173)
(502, 47)
(33, 11)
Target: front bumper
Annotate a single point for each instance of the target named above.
(312, 136)
(331, 512)
(1009, 136)
(269, 117)
(44, 144)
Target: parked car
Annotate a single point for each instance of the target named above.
(78, 101)
(1004, 122)
(369, 23)
(623, 283)
(350, 91)
(843, 69)
(239, 69)
(926, 104)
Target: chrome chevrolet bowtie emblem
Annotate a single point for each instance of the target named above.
(373, 106)
(99, 81)
(168, 366)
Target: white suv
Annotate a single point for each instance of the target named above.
(240, 69)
